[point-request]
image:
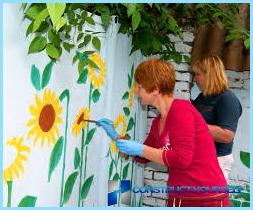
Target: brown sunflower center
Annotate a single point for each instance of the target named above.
(80, 119)
(47, 117)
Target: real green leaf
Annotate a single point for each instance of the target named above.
(54, 38)
(95, 96)
(68, 187)
(80, 36)
(60, 23)
(56, 11)
(67, 46)
(39, 19)
(28, 201)
(55, 156)
(136, 19)
(38, 44)
(33, 11)
(90, 136)
(90, 20)
(53, 51)
(77, 158)
(35, 77)
(96, 43)
(86, 187)
(46, 74)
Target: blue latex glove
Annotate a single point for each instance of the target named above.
(130, 147)
(107, 125)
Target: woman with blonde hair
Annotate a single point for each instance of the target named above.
(178, 139)
(219, 106)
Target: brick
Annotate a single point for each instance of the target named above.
(181, 67)
(183, 76)
(161, 176)
(150, 182)
(154, 202)
(148, 174)
(188, 36)
(182, 48)
(182, 86)
(184, 95)
(161, 195)
(246, 84)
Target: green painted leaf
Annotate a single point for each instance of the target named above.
(68, 46)
(92, 64)
(64, 94)
(55, 157)
(83, 76)
(126, 95)
(39, 19)
(69, 186)
(126, 111)
(136, 19)
(130, 124)
(110, 169)
(54, 38)
(60, 23)
(81, 66)
(95, 96)
(130, 9)
(47, 74)
(55, 11)
(129, 81)
(77, 158)
(90, 136)
(96, 43)
(90, 20)
(132, 71)
(38, 44)
(86, 187)
(53, 51)
(86, 39)
(115, 177)
(75, 58)
(35, 77)
(125, 171)
(245, 158)
(28, 201)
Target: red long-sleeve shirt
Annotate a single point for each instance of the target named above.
(188, 147)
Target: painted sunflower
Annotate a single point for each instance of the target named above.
(131, 96)
(15, 168)
(119, 121)
(97, 76)
(79, 124)
(46, 118)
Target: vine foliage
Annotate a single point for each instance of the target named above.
(58, 26)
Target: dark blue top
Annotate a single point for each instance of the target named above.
(223, 110)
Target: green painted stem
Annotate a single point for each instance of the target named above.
(133, 163)
(120, 178)
(80, 169)
(9, 184)
(65, 94)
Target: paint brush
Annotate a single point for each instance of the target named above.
(119, 136)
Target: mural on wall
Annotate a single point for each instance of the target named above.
(54, 161)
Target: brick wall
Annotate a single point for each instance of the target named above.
(155, 175)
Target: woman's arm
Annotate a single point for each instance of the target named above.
(220, 134)
(153, 154)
